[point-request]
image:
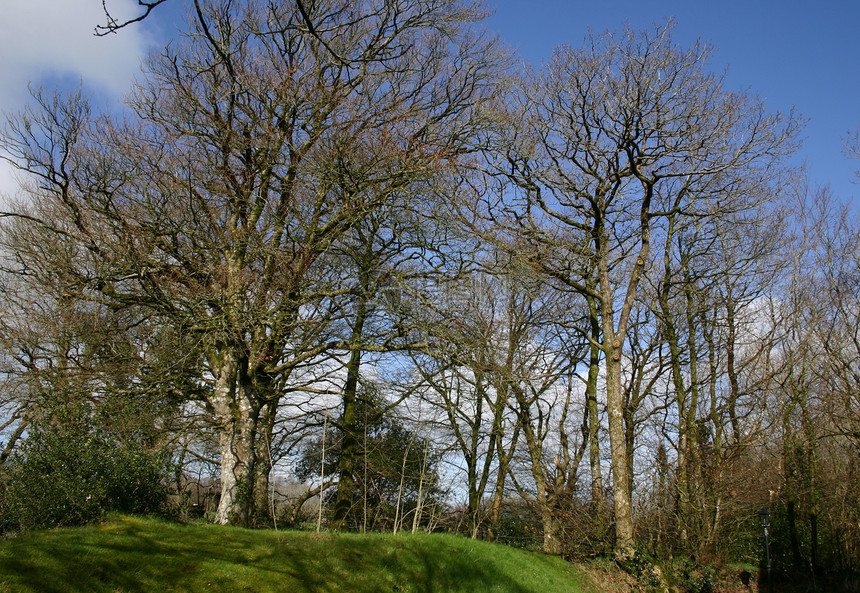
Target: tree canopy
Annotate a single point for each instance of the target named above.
(348, 252)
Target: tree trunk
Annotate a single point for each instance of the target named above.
(349, 443)
(612, 345)
(593, 415)
(263, 503)
(695, 511)
(621, 494)
(552, 543)
(349, 427)
(791, 507)
(237, 413)
(501, 477)
(473, 505)
(496, 508)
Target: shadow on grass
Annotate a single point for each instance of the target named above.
(132, 555)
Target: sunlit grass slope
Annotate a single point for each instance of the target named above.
(143, 555)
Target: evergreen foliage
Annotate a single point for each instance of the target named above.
(71, 471)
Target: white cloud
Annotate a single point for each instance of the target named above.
(46, 41)
(8, 182)
(43, 38)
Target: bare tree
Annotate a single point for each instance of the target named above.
(820, 434)
(374, 255)
(113, 24)
(461, 365)
(852, 147)
(247, 155)
(617, 135)
(534, 367)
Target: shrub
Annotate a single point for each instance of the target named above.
(72, 472)
(519, 526)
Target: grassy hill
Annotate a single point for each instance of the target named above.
(126, 555)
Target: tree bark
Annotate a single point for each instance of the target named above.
(264, 503)
(552, 540)
(593, 412)
(349, 429)
(621, 495)
(237, 413)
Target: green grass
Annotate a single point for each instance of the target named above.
(128, 554)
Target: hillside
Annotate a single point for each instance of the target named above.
(129, 555)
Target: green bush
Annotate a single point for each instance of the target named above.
(71, 473)
(691, 578)
(645, 569)
(519, 526)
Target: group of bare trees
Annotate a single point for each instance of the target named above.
(596, 277)
(249, 155)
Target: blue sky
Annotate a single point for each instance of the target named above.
(792, 53)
